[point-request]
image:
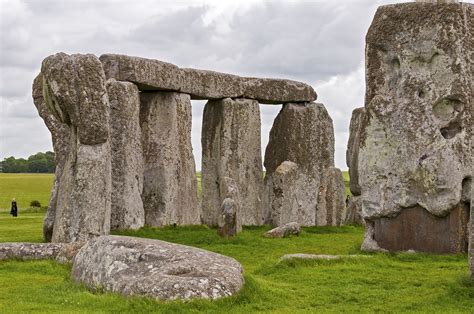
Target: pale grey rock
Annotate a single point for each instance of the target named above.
(471, 236)
(352, 152)
(230, 222)
(202, 84)
(331, 208)
(169, 184)
(157, 269)
(416, 147)
(354, 211)
(292, 228)
(369, 244)
(127, 162)
(231, 148)
(324, 257)
(277, 91)
(155, 75)
(74, 88)
(302, 134)
(147, 74)
(438, 1)
(60, 138)
(284, 206)
(74, 91)
(61, 252)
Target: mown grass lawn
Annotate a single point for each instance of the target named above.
(25, 187)
(380, 283)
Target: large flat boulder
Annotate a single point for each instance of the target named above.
(299, 153)
(169, 183)
(416, 147)
(157, 269)
(156, 75)
(127, 162)
(74, 91)
(231, 149)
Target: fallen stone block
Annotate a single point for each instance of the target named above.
(157, 269)
(292, 228)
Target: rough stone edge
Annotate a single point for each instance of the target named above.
(112, 70)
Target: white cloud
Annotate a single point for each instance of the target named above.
(318, 42)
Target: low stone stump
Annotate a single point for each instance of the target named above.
(61, 252)
(325, 257)
(157, 269)
(292, 228)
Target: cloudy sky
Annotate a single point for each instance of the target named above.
(317, 42)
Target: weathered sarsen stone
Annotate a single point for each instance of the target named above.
(127, 163)
(300, 151)
(352, 152)
(291, 228)
(61, 252)
(416, 147)
(471, 236)
(157, 269)
(230, 221)
(231, 148)
(74, 91)
(331, 207)
(169, 184)
(156, 75)
(60, 138)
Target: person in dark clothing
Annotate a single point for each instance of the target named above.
(14, 210)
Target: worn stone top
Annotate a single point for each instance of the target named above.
(150, 74)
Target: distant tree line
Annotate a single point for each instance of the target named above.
(37, 163)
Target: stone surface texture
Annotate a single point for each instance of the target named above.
(354, 211)
(157, 269)
(331, 207)
(169, 183)
(155, 75)
(471, 236)
(127, 162)
(292, 228)
(230, 222)
(61, 252)
(300, 151)
(352, 152)
(60, 138)
(320, 257)
(416, 144)
(74, 91)
(231, 149)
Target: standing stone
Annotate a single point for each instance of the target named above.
(300, 151)
(471, 236)
(74, 90)
(228, 227)
(416, 147)
(331, 208)
(352, 152)
(230, 221)
(169, 183)
(60, 137)
(231, 148)
(354, 211)
(127, 163)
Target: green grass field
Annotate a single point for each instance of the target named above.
(25, 187)
(382, 283)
